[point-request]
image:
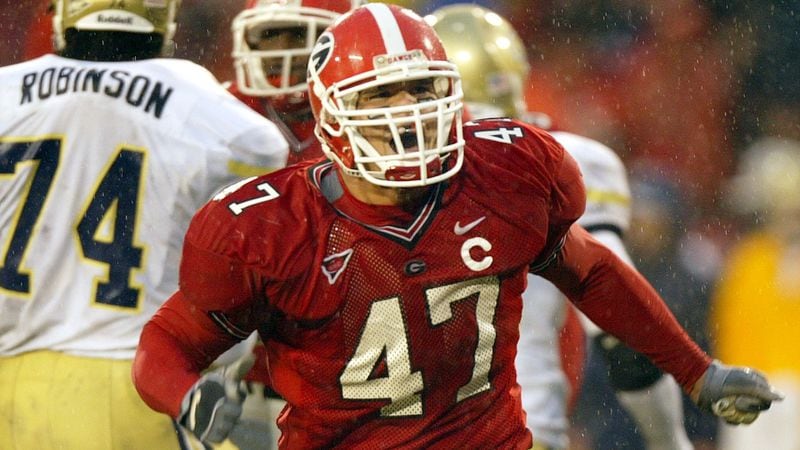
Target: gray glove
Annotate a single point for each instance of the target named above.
(253, 431)
(736, 394)
(213, 405)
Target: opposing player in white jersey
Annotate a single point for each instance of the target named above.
(494, 65)
(106, 151)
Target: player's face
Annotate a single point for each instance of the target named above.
(282, 39)
(399, 94)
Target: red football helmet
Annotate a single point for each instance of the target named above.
(378, 45)
(272, 72)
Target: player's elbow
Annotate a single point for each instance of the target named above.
(154, 358)
(582, 263)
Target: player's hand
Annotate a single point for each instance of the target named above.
(213, 405)
(253, 430)
(736, 394)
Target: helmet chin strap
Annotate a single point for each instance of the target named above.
(403, 173)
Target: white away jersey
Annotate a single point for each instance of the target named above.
(101, 167)
(539, 371)
(608, 197)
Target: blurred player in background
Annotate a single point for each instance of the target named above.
(272, 40)
(386, 283)
(494, 65)
(106, 151)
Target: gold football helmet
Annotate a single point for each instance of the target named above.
(490, 57)
(133, 16)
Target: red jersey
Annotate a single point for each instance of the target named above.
(389, 328)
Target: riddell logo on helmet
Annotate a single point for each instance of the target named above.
(115, 19)
(112, 19)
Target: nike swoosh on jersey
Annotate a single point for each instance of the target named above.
(459, 230)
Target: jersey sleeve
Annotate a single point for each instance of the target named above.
(213, 279)
(257, 150)
(219, 303)
(620, 301)
(258, 147)
(567, 203)
(216, 271)
(176, 344)
(253, 145)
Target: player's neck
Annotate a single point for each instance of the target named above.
(369, 193)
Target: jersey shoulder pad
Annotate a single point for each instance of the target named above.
(268, 194)
(244, 234)
(512, 150)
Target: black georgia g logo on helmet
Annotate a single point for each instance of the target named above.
(322, 51)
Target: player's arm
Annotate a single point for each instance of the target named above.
(620, 301)
(214, 309)
(616, 297)
(609, 291)
(176, 345)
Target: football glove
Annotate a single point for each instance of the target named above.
(213, 405)
(253, 430)
(736, 394)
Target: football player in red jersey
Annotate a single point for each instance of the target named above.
(272, 40)
(386, 283)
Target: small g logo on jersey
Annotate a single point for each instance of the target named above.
(415, 267)
(322, 51)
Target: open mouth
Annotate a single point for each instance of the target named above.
(409, 140)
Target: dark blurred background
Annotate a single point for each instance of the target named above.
(686, 92)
